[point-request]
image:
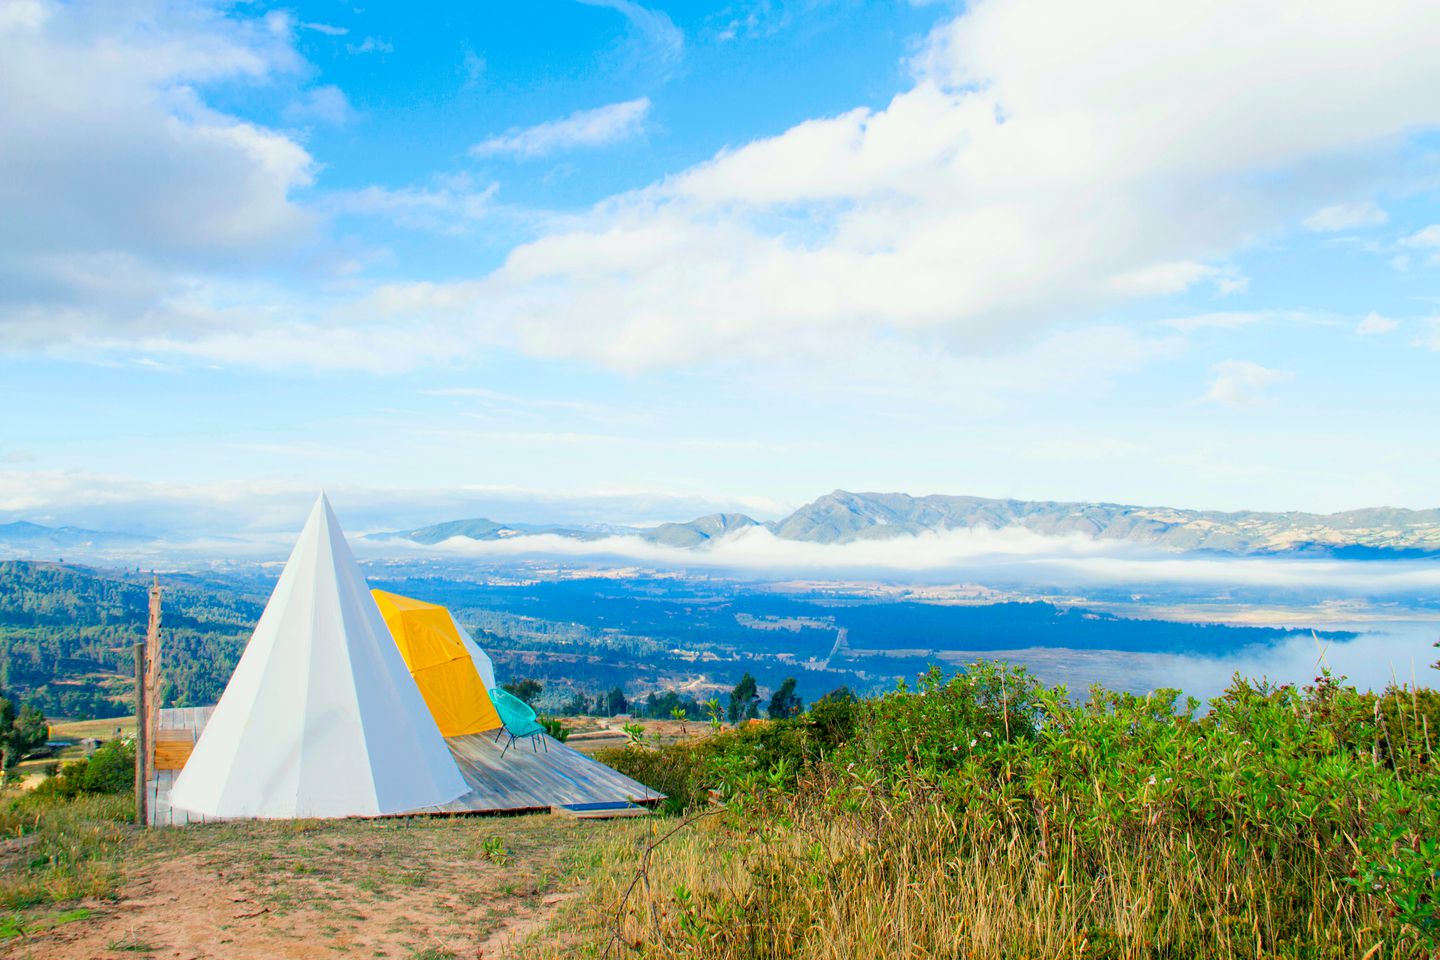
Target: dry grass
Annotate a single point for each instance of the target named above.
(984, 817)
(397, 888)
(55, 853)
(912, 880)
(99, 729)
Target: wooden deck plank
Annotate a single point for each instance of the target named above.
(500, 780)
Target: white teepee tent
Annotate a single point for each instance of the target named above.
(321, 717)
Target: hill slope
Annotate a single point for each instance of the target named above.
(844, 517)
(66, 637)
(23, 537)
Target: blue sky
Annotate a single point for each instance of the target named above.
(633, 262)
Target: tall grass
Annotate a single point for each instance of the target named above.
(988, 817)
(53, 850)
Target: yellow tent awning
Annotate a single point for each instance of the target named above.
(440, 663)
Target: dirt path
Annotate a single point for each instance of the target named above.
(405, 890)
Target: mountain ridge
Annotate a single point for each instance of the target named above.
(27, 535)
(845, 517)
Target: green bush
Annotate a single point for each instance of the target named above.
(110, 769)
(1272, 775)
(984, 814)
(675, 770)
(555, 728)
(729, 762)
(833, 718)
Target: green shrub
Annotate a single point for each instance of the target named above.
(110, 769)
(555, 728)
(729, 762)
(676, 770)
(985, 815)
(833, 718)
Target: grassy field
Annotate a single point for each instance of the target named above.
(31, 772)
(981, 816)
(106, 729)
(407, 889)
(987, 817)
(78, 880)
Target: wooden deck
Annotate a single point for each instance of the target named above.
(523, 780)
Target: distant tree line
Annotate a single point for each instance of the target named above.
(744, 702)
(66, 638)
(67, 633)
(22, 731)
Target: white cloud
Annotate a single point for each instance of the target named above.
(472, 68)
(1038, 172)
(1424, 239)
(1008, 555)
(1431, 338)
(217, 520)
(326, 104)
(1173, 277)
(328, 29)
(370, 45)
(1240, 383)
(663, 43)
(1025, 179)
(1374, 324)
(1345, 216)
(448, 205)
(584, 128)
(1225, 320)
(118, 184)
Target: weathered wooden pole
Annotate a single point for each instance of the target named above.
(152, 679)
(141, 814)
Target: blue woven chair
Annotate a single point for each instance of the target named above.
(519, 721)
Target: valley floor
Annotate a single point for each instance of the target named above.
(414, 889)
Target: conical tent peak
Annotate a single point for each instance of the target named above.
(321, 717)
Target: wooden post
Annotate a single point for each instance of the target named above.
(152, 680)
(141, 814)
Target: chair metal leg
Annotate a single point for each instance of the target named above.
(507, 747)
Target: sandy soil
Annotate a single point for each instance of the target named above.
(403, 889)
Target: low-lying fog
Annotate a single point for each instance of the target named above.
(994, 557)
(1398, 652)
(1394, 604)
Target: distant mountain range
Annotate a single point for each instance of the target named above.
(844, 517)
(693, 534)
(28, 538)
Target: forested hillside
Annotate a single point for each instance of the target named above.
(67, 632)
(66, 637)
